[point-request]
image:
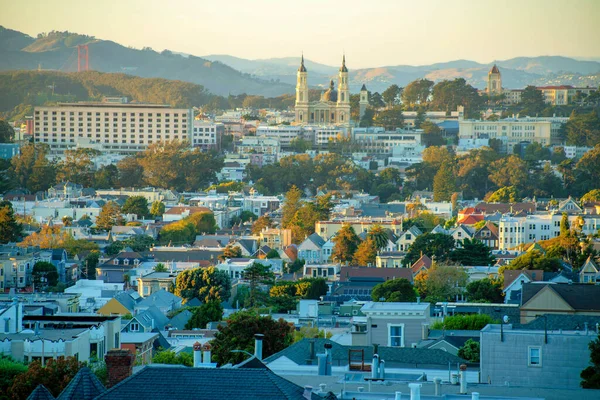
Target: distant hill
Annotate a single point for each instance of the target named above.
(516, 73)
(57, 51)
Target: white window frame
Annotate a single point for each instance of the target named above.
(389, 329)
(529, 363)
(132, 324)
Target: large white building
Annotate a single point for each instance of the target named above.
(376, 140)
(516, 231)
(207, 135)
(267, 148)
(512, 131)
(109, 127)
(284, 133)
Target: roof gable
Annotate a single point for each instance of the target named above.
(547, 299)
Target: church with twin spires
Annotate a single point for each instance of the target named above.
(333, 108)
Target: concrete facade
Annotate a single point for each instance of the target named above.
(522, 358)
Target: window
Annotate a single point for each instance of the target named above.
(535, 356)
(396, 335)
(134, 327)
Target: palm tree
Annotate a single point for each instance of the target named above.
(379, 235)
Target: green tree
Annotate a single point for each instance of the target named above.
(485, 291)
(91, 262)
(205, 284)
(109, 216)
(532, 101)
(157, 209)
(565, 229)
(10, 229)
(582, 129)
(590, 376)
(391, 95)
(379, 235)
(509, 171)
(55, 376)
(448, 95)
(390, 119)
(442, 283)
(44, 274)
(366, 253)
(465, 322)
(558, 155)
(432, 134)
(300, 145)
(7, 133)
(137, 205)
(535, 260)
(9, 370)
(506, 194)
(444, 183)
(435, 245)
(291, 205)
(272, 254)
(169, 357)
(31, 170)
(160, 267)
(416, 92)
(310, 332)
(131, 173)
(587, 171)
(470, 351)
(77, 166)
(256, 274)
(211, 311)
(376, 100)
(238, 334)
(394, 290)
(367, 118)
(106, 177)
(345, 244)
(473, 252)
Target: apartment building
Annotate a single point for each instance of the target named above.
(562, 95)
(268, 148)
(376, 140)
(207, 135)
(109, 127)
(284, 133)
(512, 131)
(328, 134)
(516, 231)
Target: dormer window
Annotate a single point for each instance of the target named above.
(136, 261)
(126, 261)
(116, 261)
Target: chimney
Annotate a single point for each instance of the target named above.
(418, 299)
(258, 346)
(311, 347)
(206, 357)
(307, 392)
(119, 365)
(398, 396)
(415, 391)
(197, 355)
(463, 379)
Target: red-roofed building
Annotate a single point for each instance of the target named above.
(423, 263)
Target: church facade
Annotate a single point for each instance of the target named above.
(333, 108)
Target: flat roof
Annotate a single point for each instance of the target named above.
(113, 105)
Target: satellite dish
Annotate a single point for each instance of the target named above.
(505, 319)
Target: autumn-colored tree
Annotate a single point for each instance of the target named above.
(264, 221)
(49, 237)
(366, 253)
(506, 194)
(157, 209)
(77, 167)
(230, 251)
(110, 215)
(291, 205)
(345, 244)
(441, 283)
(55, 376)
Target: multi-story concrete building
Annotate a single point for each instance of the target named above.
(207, 135)
(516, 231)
(284, 133)
(512, 131)
(562, 95)
(269, 148)
(534, 358)
(328, 134)
(109, 127)
(376, 140)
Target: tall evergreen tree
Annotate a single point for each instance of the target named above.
(444, 183)
(345, 244)
(10, 229)
(291, 205)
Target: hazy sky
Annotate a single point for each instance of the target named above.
(372, 33)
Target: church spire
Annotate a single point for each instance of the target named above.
(343, 67)
(302, 67)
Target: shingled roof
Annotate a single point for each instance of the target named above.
(84, 386)
(581, 297)
(40, 393)
(299, 353)
(183, 383)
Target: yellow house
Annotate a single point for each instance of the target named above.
(122, 304)
(275, 238)
(559, 298)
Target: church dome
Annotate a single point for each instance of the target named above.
(494, 70)
(330, 94)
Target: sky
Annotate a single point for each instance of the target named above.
(371, 33)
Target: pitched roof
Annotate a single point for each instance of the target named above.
(423, 262)
(206, 383)
(471, 219)
(299, 352)
(160, 298)
(554, 322)
(316, 239)
(349, 273)
(494, 70)
(84, 386)
(580, 296)
(177, 210)
(511, 274)
(40, 393)
(180, 320)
